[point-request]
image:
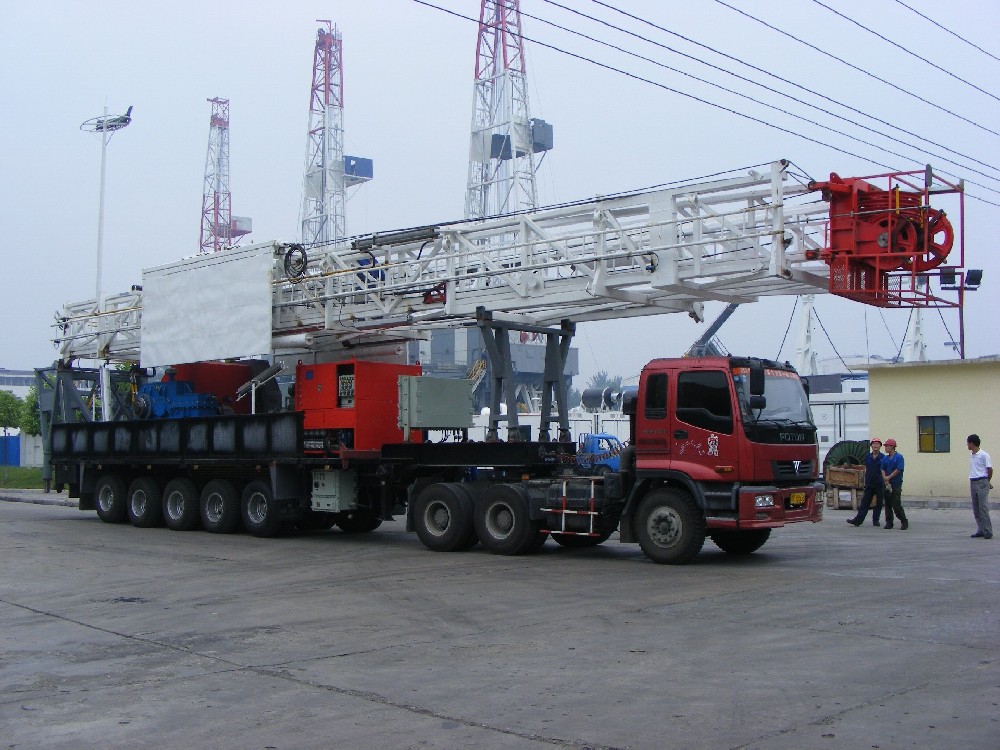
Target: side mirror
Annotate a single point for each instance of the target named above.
(756, 381)
(758, 402)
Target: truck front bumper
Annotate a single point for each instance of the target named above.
(765, 507)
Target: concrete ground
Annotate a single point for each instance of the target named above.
(830, 637)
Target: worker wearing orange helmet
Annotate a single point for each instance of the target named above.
(892, 473)
(874, 486)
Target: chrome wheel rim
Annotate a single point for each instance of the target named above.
(257, 508)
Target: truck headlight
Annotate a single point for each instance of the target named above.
(763, 501)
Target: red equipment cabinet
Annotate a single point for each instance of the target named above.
(353, 403)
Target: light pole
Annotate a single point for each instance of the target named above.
(106, 126)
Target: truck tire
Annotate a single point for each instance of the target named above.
(220, 507)
(180, 504)
(259, 510)
(740, 542)
(670, 527)
(442, 518)
(145, 503)
(360, 521)
(111, 499)
(503, 524)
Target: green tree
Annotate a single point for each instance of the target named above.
(30, 423)
(601, 379)
(10, 411)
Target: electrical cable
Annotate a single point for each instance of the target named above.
(943, 28)
(893, 340)
(904, 49)
(855, 67)
(818, 320)
(771, 75)
(777, 357)
(701, 100)
(753, 99)
(899, 352)
(950, 337)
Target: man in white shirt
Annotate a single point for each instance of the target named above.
(980, 476)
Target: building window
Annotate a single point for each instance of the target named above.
(934, 434)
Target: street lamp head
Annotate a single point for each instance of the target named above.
(107, 123)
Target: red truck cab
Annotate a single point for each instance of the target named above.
(727, 439)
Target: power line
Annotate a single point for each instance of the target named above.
(855, 67)
(945, 29)
(770, 74)
(685, 94)
(756, 83)
(832, 346)
(904, 49)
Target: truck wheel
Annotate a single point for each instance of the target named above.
(110, 499)
(442, 517)
(259, 510)
(145, 503)
(359, 521)
(669, 527)
(502, 521)
(220, 507)
(740, 542)
(180, 504)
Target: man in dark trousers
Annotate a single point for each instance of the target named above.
(874, 484)
(892, 471)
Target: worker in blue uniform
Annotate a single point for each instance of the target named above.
(874, 486)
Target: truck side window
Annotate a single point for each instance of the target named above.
(703, 401)
(656, 396)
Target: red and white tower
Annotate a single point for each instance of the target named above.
(328, 173)
(219, 228)
(504, 137)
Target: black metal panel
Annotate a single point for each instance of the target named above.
(520, 455)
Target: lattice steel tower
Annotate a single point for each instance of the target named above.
(504, 137)
(219, 228)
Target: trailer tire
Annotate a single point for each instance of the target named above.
(442, 518)
(740, 542)
(360, 521)
(111, 499)
(259, 510)
(669, 527)
(180, 505)
(145, 503)
(502, 521)
(220, 507)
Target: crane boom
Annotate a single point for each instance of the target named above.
(657, 251)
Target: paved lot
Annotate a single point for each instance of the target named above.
(830, 637)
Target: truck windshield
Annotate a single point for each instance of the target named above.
(786, 398)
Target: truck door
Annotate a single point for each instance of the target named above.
(704, 439)
(652, 433)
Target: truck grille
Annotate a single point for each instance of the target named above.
(784, 470)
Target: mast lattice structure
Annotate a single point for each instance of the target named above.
(219, 228)
(323, 190)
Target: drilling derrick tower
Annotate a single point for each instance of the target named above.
(504, 138)
(328, 173)
(219, 228)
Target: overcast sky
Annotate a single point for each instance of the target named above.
(408, 95)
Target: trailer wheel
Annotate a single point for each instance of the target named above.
(110, 499)
(145, 503)
(220, 507)
(259, 510)
(502, 521)
(442, 517)
(669, 527)
(359, 521)
(740, 542)
(180, 504)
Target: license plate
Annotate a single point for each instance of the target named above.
(798, 498)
